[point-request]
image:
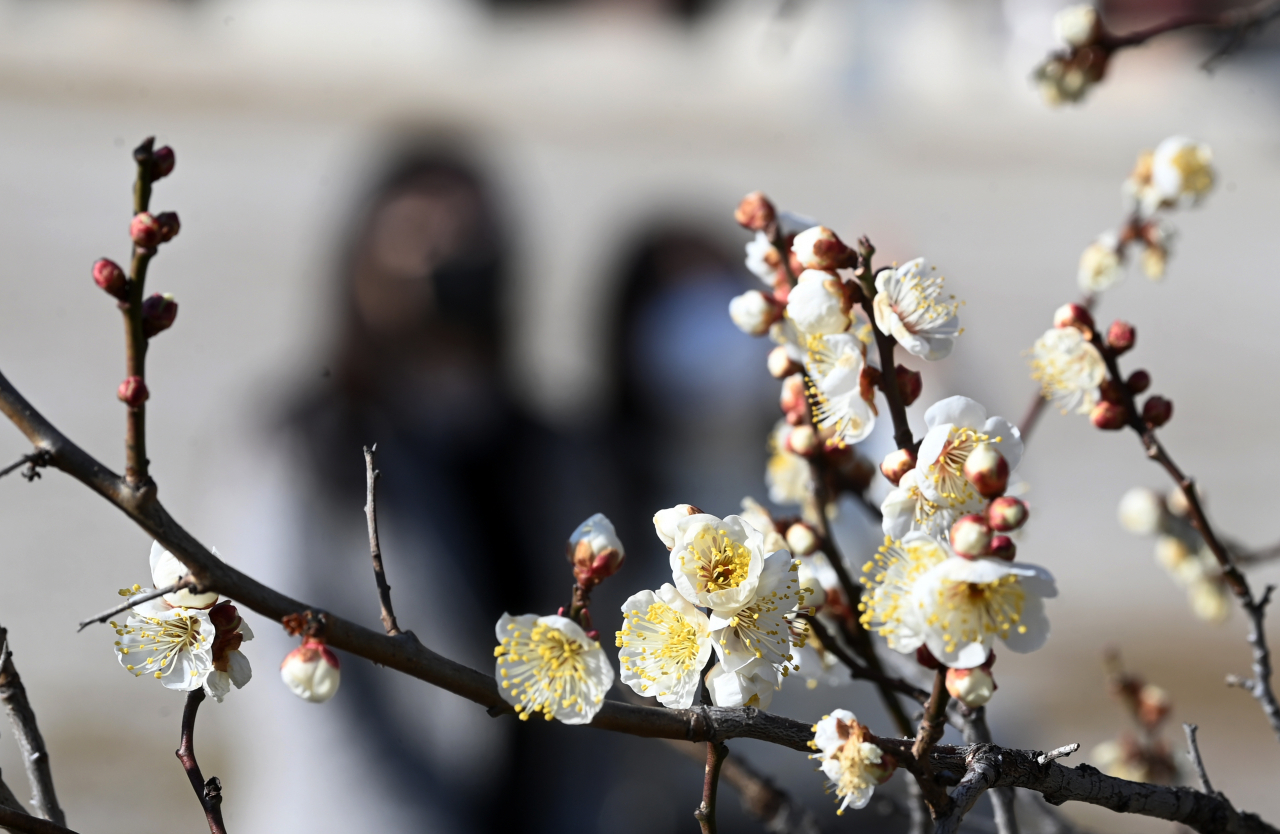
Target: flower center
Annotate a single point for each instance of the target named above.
(722, 562)
(970, 612)
(545, 667)
(1197, 178)
(890, 576)
(159, 642)
(917, 303)
(665, 640)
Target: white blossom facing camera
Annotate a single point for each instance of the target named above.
(914, 504)
(908, 307)
(664, 644)
(760, 630)
(1069, 368)
(166, 570)
(549, 665)
(173, 645)
(835, 364)
(816, 303)
(853, 764)
(1076, 25)
(754, 312)
(958, 425)
(1100, 264)
(716, 563)
(312, 672)
(890, 607)
(751, 685)
(1182, 170)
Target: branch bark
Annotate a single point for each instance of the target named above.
(23, 823)
(34, 754)
(375, 549)
(706, 812)
(209, 793)
(976, 731)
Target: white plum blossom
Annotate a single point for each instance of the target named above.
(890, 607)
(173, 645)
(820, 248)
(853, 764)
(753, 312)
(666, 521)
(751, 685)
(1181, 170)
(664, 644)
(788, 476)
(312, 672)
(815, 303)
(907, 307)
(1069, 369)
(956, 426)
(1100, 265)
(1076, 25)
(835, 364)
(964, 604)
(914, 504)
(166, 570)
(762, 258)
(761, 629)
(549, 665)
(716, 562)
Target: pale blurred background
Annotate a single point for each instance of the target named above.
(607, 136)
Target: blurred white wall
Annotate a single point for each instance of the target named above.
(910, 122)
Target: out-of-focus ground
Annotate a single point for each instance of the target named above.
(910, 122)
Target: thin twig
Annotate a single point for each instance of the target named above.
(35, 755)
(23, 823)
(706, 812)
(1193, 753)
(858, 670)
(375, 550)
(31, 461)
(1058, 752)
(135, 340)
(1260, 685)
(932, 726)
(209, 793)
(125, 606)
(1243, 23)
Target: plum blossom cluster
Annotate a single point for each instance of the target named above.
(183, 639)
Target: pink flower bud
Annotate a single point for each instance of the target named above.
(794, 403)
(801, 539)
(108, 275)
(595, 551)
(780, 363)
(820, 248)
(910, 384)
(1138, 381)
(896, 464)
(162, 162)
(803, 440)
(1156, 411)
(970, 536)
(158, 313)
(311, 672)
(144, 230)
(1073, 315)
(1109, 416)
(1007, 514)
(971, 687)
(755, 212)
(1121, 336)
(133, 392)
(1112, 392)
(169, 225)
(1002, 547)
(987, 470)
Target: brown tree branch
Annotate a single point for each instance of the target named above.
(23, 823)
(375, 550)
(135, 340)
(34, 754)
(132, 601)
(209, 793)
(706, 812)
(1242, 23)
(885, 345)
(932, 726)
(976, 731)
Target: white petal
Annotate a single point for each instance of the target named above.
(959, 411)
(1036, 624)
(238, 668)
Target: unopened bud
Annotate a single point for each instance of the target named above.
(162, 162)
(595, 551)
(169, 225)
(144, 230)
(780, 363)
(1109, 416)
(666, 522)
(1077, 25)
(1138, 381)
(896, 464)
(1121, 335)
(754, 311)
(821, 248)
(802, 440)
(971, 687)
(987, 470)
(108, 275)
(1112, 392)
(1073, 315)
(1002, 547)
(971, 536)
(1007, 513)
(133, 392)
(1156, 411)
(158, 313)
(801, 539)
(794, 403)
(311, 672)
(910, 384)
(755, 212)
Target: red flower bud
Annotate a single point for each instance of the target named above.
(1007, 513)
(169, 225)
(1073, 315)
(896, 464)
(780, 363)
(1002, 547)
(224, 615)
(158, 313)
(133, 392)
(144, 230)
(1121, 336)
(926, 659)
(910, 384)
(108, 275)
(162, 163)
(1112, 392)
(1156, 411)
(987, 470)
(1139, 381)
(755, 212)
(1109, 416)
(970, 536)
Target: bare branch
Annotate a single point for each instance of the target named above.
(23, 718)
(978, 778)
(209, 793)
(1241, 23)
(858, 670)
(375, 550)
(976, 731)
(1260, 685)
(932, 726)
(1193, 753)
(21, 822)
(706, 812)
(125, 606)
(1058, 752)
(31, 461)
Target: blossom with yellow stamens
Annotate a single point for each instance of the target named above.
(835, 364)
(890, 607)
(173, 645)
(762, 628)
(1182, 170)
(549, 665)
(914, 504)
(909, 307)
(1069, 368)
(956, 426)
(716, 562)
(664, 644)
(853, 763)
(751, 685)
